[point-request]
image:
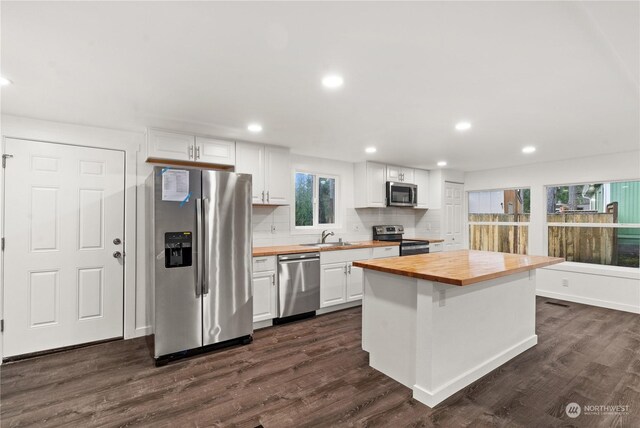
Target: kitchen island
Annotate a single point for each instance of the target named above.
(438, 322)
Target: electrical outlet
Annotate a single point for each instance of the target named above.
(273, 228)
(565, 282)
(356, 228)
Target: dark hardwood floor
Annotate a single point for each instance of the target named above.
(313, 373)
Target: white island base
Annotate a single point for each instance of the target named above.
(436, 338)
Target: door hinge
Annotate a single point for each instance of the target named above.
(2, 244)
(1, 326)
(4, 160)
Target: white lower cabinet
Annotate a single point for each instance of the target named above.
(340, 281)
(265, 288)
(354, 284)
(333, 284)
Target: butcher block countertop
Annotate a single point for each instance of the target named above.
(293, 249)
(463, 267)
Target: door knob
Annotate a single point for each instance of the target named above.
(117, 254)
(117, 241)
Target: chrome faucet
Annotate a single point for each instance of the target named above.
(325, 235)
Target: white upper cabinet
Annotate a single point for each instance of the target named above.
(277, 175)
(215, 151)
(169, 145)
(270, 169)
(369, 185)
(183, 147)
(421, 179)
(250, 160)
(400, 173)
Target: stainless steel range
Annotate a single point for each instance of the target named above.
(408, 247)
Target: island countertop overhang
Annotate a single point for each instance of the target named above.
(460, 268)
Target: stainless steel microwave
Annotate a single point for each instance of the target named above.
(401, 194)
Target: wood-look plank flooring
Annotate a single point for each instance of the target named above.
(313, 373)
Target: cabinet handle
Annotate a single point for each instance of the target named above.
(349, 269)
(190, 152)
(345, 269)
(273, 280)
(263, 196)
(261, 260)
(267, 196)
(198, 152)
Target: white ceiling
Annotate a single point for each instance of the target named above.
(561, 76)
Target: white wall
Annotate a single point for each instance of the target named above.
(355, 224)
(137, 320)
(594, 284)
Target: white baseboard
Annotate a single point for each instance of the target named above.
(589, 301)
(262, 324)
(141, 331)
(431, 399)
(340, 307)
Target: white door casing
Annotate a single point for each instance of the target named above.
(453, 217)
(63, 208)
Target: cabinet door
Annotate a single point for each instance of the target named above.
(264, 296)
(215, 151)
(421, 179)
(407, 175)
(354, 284)
(277, 176)
(169, 145)
(333, 284)
(250, 160)
(376, 185)
(393, 173)
(453, 217)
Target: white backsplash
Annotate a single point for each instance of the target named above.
(272, 226)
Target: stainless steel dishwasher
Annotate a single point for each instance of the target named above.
(298, 284)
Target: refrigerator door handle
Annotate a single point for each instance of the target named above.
(200, 239)
(205, 246)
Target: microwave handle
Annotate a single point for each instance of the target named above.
(414, 195)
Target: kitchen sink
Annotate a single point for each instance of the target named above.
(328, 244)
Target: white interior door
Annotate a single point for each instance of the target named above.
(63, 209)
(453, 217)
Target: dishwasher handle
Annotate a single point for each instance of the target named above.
(296, 257)
(286, 262)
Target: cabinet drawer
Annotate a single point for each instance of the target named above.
(381, 252)
(341, 256)
(435, 247)
(263, 264)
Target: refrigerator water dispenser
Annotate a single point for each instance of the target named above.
(177, 249)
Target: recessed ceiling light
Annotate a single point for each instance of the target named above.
(254, 127)
(442, 163)
(370, 150)
(4, 81)
(332, 81)
(528, 149)
(463, 126)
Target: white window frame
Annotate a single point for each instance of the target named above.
(316, 215)
(496, 223)
(602, 225)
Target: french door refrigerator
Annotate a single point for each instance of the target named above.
(200, 259)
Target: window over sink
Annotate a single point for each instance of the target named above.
(316, 197)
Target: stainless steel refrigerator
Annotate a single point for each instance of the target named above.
(199, 260)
